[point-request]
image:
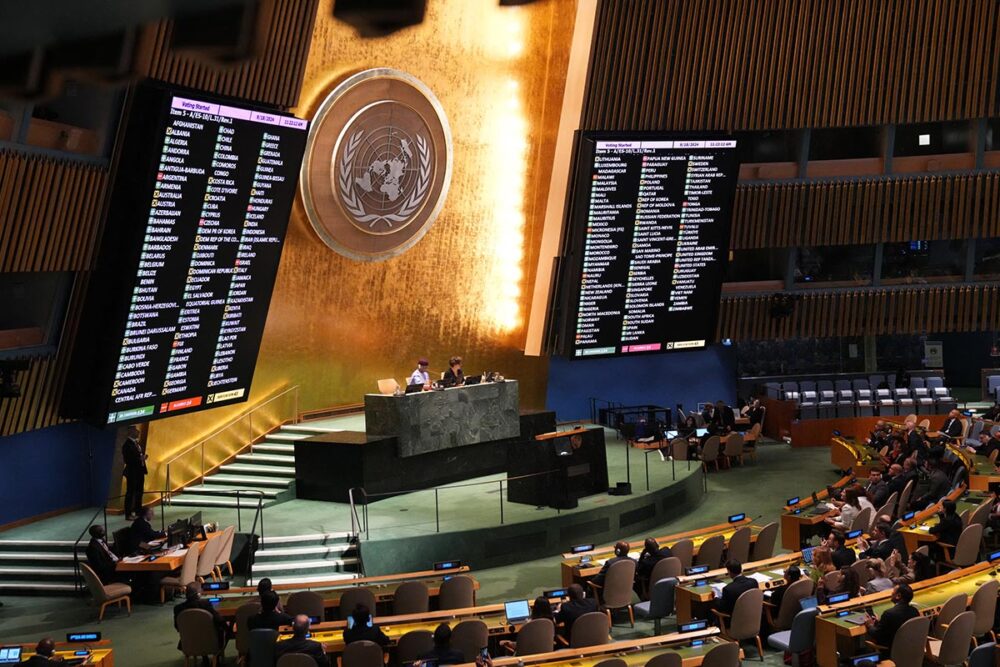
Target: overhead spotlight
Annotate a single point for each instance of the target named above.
(377, 19)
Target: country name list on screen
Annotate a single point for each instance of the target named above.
(654, 248)
(224, 183)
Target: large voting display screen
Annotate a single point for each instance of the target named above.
(648, 242)
(175, 310)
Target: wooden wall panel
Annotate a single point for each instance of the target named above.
(866, 211)
(765, 64)
(273, 76)
(868, 312)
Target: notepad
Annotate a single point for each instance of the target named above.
(134, 559)
(717, 589)
(760, 577)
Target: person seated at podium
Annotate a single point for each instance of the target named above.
(270, 617)
(621, 553)
(420, 376)
(453, 377)
(193, 600)
(142, 531)
(952, 426)
(987, 444)
(993, 414)
(300, 643)
(100, 558)
(443, 653)
(652, 553)
(364, 628)
(45, 654)
(577, 605)
(883, 630)
(731, 592)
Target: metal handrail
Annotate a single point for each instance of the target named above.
(246, 415)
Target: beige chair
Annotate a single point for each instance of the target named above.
(924, 423)
(536, 636)
(612, 662)
(665, 660)
(887, 509)
(860, 568)
(241, 622)
(739, 545)
(908, 644)
(616, 593)
(458, 592)
(781, 618)
(679, 449)
(863, 520)
(733, 449)
(199, 636)
(468, 637)
(904, 499)
(189, 569)
(684, 552)
(665, 567)
(952, 607)
(388, 386)
(208, 553)
(591, 629)
(414, 644)
(763, 546)
(349, 601)
(832, 581)
(710, 452)
(104, 595)
(723, 655)
(966, 552)
(745, 620)
(361, 654)
(984, 605)
(710, 552)
(308, 603)
(993, 455)
(982, 513)
(751, 449)
(411, 597)
(225, 551)
(296, 660)
(953, 647)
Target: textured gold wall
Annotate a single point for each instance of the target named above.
(336, 325)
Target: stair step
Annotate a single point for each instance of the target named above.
(311, 537)
(46, 556)
(34, 587)
(305, 428)
(195, 501)
(13, 544)
(303, 565)
(39, 571)
(319, 550)
(336, 576)
(281, 471)
(204, 489)
(288, 437)
(274, 448)
(276, 459)
(250, 481)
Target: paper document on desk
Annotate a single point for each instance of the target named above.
(717, 590)
(180, 552)
(133, 559)
(926, 529)
(760, 577)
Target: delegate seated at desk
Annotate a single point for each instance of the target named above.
(574, 608)
(732, 591)
(101, 559)
(269, 617)
(45, 654)
(364, 629)
(883, 630)
(454, 377)
(193, 600)
(142, 531)
(420, 376)
(300, 643)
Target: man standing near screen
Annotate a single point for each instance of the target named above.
(420, 376)
(134, 457)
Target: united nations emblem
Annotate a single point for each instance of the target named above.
(377, 165)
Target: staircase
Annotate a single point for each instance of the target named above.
(34, 567)
(302, 559)
(269, 467)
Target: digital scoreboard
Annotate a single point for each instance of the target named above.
(176, 310)
(648, 242)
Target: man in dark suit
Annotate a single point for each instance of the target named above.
(735, 588)
(708, 414)
(792, 574)
(300, 644)
(652, 553)
(842, 556)
(952, 426)
(574, 608)
(443, 653)
(938, 485)
(883, 630)
(193, 600)
(134, 457)
(877, 488)
(269, 616)
(142, 530)
(884, 541)
(362, 631)
(45, 654)
(987, 444)
(621, 553)
(101, 559)
(947, 531)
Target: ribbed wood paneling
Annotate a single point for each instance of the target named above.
(49, 221)
(864, 313)
(866, 211)
(273, 76)
(765, 64)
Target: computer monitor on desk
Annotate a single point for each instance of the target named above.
(178, 532)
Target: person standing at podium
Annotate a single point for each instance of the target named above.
(453, 377)
(134, 456)
(420, 376)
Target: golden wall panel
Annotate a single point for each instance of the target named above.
(336, 325)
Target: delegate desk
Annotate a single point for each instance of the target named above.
(573, 571)
(166, 560)
(382, 587)
(430, 421)
(98, 653)
(982, 473)
(800, 518)
(842, 634)
(853, 456)
(918, 530)
(635, 652)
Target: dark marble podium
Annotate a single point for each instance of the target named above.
(431, 421)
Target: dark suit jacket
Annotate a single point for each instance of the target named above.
(364, 633)
(644, 568)
(268, 620)
(777, 595)
(200, 603)
(948, 530)
(302, 645)
(444, 656)
(100, 561)
(884, 549)
(732, 591)
(756, 415)
(987, 449)
(453, 379)
(599, 579)
(572, 610)
(132, 457)
(143, 532)
(939, 486)
(843, 557)
(952, 428)
(885, 629)
(40, 661)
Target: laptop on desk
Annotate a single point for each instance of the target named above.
(473, 379)
(10, 655)
(517, 611)
(414, 388)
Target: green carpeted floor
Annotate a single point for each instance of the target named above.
(147, 638)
